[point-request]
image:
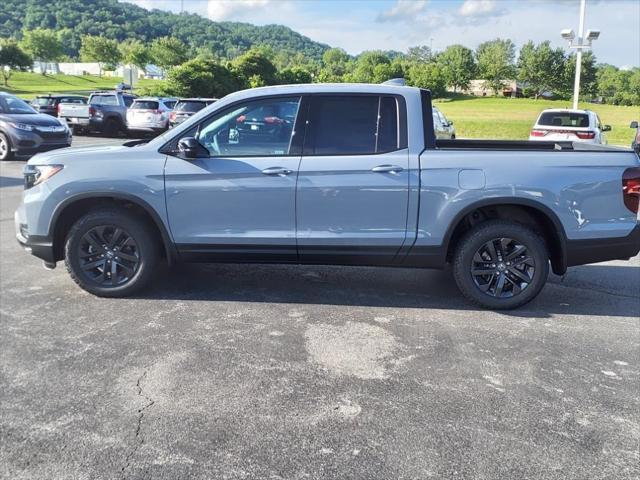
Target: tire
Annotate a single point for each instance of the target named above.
(78, 131)
(473, 257)
(111, 127)
(5, 148)
(135, 259)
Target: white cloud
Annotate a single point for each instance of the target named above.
(403, 10)
(228, 9)
(476, 8)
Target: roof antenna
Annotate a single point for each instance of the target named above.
(399, 82)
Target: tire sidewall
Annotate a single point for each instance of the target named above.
(136, 228)
(474, 240)
(9, 155)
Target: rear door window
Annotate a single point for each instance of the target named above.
(352, 125)
(564, 119)
(170, 104)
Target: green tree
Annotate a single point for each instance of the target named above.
(134, 52)
(429, 76)
(255, 68)
(43, 45)
(293, 75)
(101, 50)
(496, 62)
(373, 67)
(541, 68)
(588, 78)
(12, 57)
(335, 62)
(420, 53)
(201, 78)
(458, 66)
(167, 52)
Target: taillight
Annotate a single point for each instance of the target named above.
(536, 132)
(631, 188)
(92, 111)
(275, 120)
(58, 109)
(585, 135)
(172, 116)
(241, 119)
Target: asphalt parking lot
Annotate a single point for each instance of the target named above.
(281, 372)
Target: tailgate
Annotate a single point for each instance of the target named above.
(73, 110)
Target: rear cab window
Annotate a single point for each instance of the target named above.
(355, 125)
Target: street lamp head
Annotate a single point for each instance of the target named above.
(567, 34)
(593, 34)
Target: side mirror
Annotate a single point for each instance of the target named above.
(450, 123)
(606, 128)
(189, 147)
(634, 124)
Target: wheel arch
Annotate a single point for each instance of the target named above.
(74, 207)
(521, 210)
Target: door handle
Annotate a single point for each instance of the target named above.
(387, 169)
(276, 171)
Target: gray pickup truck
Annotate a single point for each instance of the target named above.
(331, 174)
(105, 112)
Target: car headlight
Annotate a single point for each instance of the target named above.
(37, 174)
(22, 126)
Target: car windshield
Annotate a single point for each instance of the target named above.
(43, 101)
(189, 106)
(564, 119)
(144, 105)
(14, 105)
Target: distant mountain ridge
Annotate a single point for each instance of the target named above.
(121, 21)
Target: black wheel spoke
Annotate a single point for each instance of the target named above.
(521, 275)
(102, 259)
(502, 268)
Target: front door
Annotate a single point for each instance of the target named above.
(237, 202)
(353, 183)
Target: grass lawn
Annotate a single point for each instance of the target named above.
(474, 117)
(28, 85)
(512, 118)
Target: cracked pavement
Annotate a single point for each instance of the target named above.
(284, 372)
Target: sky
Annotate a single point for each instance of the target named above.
(357, 25)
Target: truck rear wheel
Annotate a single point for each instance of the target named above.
(111, 252)
(501, 265)
(112, 127)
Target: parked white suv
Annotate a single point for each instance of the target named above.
(444, 128)
(150, 114)
(567, 125)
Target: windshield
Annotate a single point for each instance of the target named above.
(564, 119)
(13, 105)
(189, 106)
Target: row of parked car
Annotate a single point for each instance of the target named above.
(49, 121)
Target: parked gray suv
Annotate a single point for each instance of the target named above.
(331, 174)
(24, 131)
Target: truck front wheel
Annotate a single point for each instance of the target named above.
(501, 265)
(111, 253)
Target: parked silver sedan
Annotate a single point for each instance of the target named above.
(150, 114)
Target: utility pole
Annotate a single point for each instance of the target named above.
(576, 82)
(580, 44)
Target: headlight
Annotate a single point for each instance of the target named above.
(37, 174)
(22, 126)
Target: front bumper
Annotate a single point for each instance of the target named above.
(581, 252)
(25, 143)
(38, 246)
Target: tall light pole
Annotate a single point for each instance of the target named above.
(580, 44)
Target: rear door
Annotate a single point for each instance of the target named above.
(352, 191)
(237, 201)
